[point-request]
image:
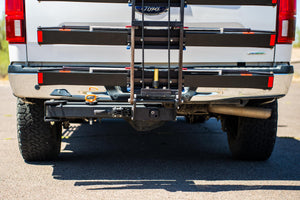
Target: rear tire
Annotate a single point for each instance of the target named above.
(38, 140)
(249, 138)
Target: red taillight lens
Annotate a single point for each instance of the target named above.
(15, 21)
(40, 36)
(286, 21)
(40, 78)
(14, 7)
(270, 81)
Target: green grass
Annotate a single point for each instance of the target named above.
(4, 62)
(4, 58)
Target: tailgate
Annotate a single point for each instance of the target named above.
(47, 14)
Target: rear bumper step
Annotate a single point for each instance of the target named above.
(191, 78)
(82, 78)
(230, 81)
(24, 82)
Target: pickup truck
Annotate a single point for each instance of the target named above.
(148, 62)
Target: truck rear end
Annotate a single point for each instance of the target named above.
(149, 61)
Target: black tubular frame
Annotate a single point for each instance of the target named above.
(143, 44)
(169, 44)
(138, 27)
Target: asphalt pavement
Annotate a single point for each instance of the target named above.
(177, 161)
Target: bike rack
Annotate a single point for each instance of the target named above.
(144, 38)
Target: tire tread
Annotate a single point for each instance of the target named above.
(252, 139)
(38, 140)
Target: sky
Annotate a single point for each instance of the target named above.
(2, 3)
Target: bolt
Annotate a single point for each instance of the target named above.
(37, 87)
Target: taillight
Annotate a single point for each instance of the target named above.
(15, 21)
(286, 21)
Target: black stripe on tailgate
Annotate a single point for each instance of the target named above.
(122, 37)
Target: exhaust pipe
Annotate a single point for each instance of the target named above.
(252, 112)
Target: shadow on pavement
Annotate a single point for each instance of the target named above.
(112, 156)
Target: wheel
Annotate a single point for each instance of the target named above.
(249, 138)
(38, 140)
(193, 119)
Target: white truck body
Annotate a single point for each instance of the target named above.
(55, 14)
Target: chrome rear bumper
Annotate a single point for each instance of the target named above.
(25, 84)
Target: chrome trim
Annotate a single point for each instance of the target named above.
(93, 69)
(24, 85)
(220, 72)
